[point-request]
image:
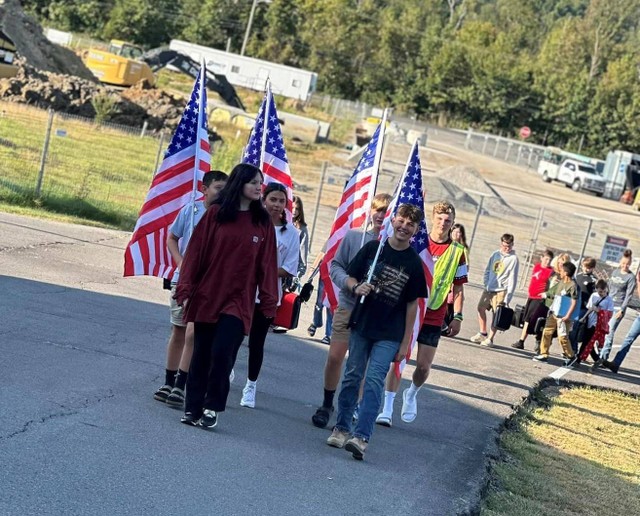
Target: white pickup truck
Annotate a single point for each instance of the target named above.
(579, 176)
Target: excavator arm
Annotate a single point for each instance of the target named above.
(161, 57)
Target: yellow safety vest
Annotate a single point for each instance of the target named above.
(443, 275)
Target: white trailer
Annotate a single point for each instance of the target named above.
(252, 73)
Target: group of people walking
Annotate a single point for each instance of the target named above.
(243, 253)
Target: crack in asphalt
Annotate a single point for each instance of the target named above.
(60, 243)
(32, 423)
(99, 351)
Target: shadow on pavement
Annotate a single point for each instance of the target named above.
(79, 428)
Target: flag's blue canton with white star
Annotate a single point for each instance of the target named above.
(411, 193)
(274, 141)
(254, 145)
(369, 155)
(186, 134)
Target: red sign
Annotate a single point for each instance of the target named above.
(525, 132)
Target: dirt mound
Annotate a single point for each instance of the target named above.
(31, 43)
(464, 185)
(74, 95)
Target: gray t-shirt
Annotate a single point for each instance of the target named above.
(347, 251)
(181, 228)
(621, 287)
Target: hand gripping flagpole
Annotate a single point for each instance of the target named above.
(376, 166)
(201, 115)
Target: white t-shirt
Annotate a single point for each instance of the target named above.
(182, 228)
(605, 303)
(288, 243)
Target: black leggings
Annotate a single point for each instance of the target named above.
(213, 353)
(588, 333)
(257, 337)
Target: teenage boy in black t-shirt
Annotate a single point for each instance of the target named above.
(381, 327)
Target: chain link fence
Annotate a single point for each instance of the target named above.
(102, 172)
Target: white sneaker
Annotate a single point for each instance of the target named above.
(478, 338)
(384, 420)
(232, 376)
(248, 396)
(409, 407)
(487, 343)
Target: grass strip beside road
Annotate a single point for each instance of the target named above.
(569, 451)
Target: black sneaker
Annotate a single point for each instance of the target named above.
(190, 419)
(176, 398)
(209, 419)
(612, 366)
(162, 393)
(322, 416)
(518, 344)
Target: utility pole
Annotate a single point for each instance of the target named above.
(254, 4)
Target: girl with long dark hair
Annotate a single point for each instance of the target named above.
(274, 197)
(301, 225)
(232, 253)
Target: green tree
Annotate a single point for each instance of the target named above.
(146, 22)
(614, 113)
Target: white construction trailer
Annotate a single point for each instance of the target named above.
(252, 73)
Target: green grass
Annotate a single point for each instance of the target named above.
(93, 172)
(574, 453)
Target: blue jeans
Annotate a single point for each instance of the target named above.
(634, 331)
(379, 354)
(608, 341)
(319, 308)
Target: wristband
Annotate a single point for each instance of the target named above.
(458, 316)
(353, 289)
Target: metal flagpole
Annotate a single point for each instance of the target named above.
(265, 123)
(376, 165)
(201, 115)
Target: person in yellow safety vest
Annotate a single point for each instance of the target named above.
(449, 270)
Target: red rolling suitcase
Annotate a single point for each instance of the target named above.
(288, 312)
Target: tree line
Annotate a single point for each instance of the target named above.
(568, 69)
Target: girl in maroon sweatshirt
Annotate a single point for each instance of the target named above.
(232, 253)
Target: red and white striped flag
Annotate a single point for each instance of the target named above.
(410, 191)
(265, 148)
(176, 183)
(353, 210)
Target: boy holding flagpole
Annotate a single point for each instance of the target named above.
(390, 277)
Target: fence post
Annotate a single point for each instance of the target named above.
(495, 150)
(45, 151)
(484, 145)
(506, 155)
(315, 212)
(586, 240)
(532, 247)
(519, 155)
(159, 153)
(475, 222)
(144, 128)
(467, 142)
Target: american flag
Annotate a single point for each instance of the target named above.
(265, 148)
(410, 192)
(176, 183)
(353, 209)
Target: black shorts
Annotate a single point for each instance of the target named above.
(531, 308)
(429, 335)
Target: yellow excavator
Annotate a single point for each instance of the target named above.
(124, 64)
(120, 65)
(7, 55)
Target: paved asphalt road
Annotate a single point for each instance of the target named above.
(80, 433)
